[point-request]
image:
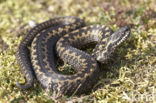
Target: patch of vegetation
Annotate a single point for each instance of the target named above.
(129, 76)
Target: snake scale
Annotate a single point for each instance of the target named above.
(63, 36)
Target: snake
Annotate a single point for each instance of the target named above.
(63, 37)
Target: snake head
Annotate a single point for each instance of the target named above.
(118, 37)
(113, 42)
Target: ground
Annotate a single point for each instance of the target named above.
(130, 74)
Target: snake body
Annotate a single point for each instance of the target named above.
(63, 36)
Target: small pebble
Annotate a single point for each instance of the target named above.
(51, 8)
(32, 23)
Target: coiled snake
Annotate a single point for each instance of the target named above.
(65, 35)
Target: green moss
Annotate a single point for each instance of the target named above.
(131, 71)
